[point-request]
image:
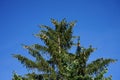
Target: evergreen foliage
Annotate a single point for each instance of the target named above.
(61, 64)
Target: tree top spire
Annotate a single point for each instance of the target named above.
(78, 44)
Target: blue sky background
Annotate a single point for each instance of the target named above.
(98, 24)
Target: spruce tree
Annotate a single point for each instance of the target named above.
(60, 63)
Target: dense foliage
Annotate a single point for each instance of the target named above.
(53, 61)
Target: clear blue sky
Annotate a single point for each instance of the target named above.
(98, 24)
